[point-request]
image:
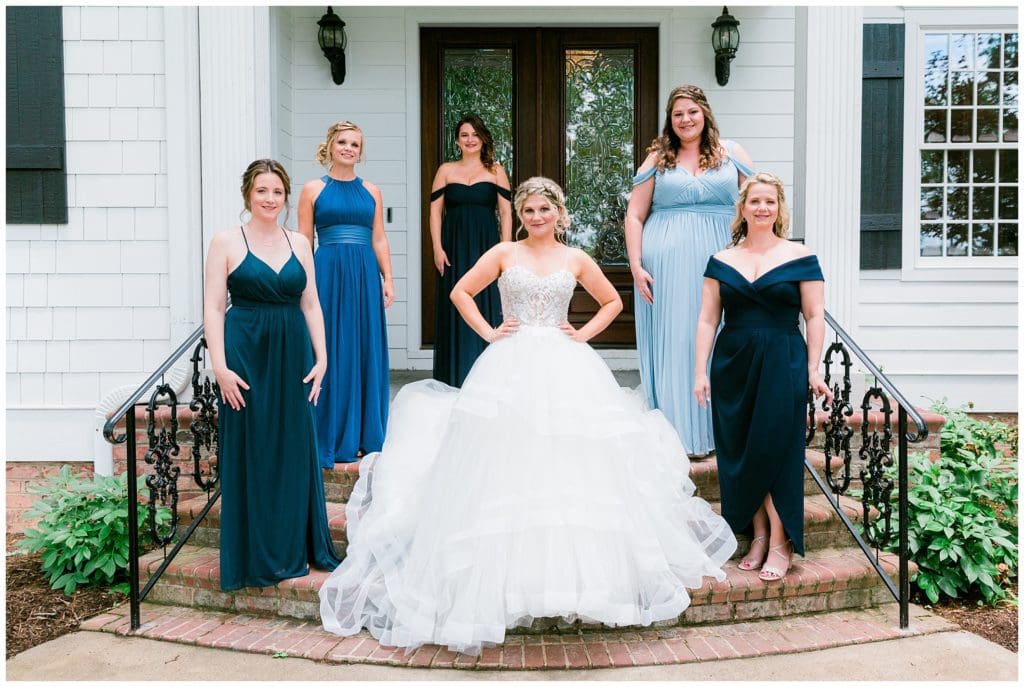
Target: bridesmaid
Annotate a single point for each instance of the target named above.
(760, 372)
(466, 194)
(678, 215)
(269, 358)
(353, 273)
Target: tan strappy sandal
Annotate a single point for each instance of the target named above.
(772, 573)
(747, 563)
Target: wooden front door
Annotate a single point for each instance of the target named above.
(576, 105)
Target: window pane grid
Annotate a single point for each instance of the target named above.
(968, 175)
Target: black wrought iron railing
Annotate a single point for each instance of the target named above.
(163, 448)
(874, 458)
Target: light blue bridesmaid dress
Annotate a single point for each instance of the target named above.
(688, 222)
(352, 410)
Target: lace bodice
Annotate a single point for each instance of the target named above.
(535, 300)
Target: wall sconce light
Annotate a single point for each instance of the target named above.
(332, 40)
(725, 38)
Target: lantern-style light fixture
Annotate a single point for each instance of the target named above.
(332, 40)
(725, 39)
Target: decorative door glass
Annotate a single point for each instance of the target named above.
(478, 81)
(600, 96)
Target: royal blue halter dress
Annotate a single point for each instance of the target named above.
(352, 411)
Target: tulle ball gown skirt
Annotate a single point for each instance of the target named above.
(540, 489)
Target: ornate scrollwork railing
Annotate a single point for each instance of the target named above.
(161, 455)
(874, 457)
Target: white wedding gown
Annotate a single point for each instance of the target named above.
(540, 489)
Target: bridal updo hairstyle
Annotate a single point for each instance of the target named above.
(546, 188)
(323, 151)
(739, 225)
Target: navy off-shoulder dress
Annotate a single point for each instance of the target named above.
(759, 393)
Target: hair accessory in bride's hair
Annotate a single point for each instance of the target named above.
(546, 188)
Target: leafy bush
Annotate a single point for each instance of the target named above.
(963, 510)
(83, 529)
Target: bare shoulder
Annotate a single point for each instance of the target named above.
(650, 161)
(727, 254)
(226, 238)
(299, 241)
(499, 173)
(372, 188)
(312, 187)
(443, 171)
(799, 250)
(578, 262)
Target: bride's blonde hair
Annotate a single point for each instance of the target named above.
(549, 190)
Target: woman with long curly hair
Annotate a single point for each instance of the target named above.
(678, 215)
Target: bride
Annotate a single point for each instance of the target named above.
(540, 489)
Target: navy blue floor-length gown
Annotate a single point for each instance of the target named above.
(469, 229)
(759, 393)
(352, 411)
(273, 515)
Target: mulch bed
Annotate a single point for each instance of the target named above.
(995, 623)
(36, 613)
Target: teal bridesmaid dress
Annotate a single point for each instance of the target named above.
(273, 514)
(759, 393)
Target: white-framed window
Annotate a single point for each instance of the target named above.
(961, 163)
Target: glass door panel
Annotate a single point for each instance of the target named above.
(600, 125)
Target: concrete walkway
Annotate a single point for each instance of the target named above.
(103, 656)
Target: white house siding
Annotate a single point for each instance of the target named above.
(943, 333)
(938, 339)
(87, 302)
(381, 94)
(281, 45)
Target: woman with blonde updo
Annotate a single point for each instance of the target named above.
(678, 215)
(760, 372)
(267, 352)
(353, 270)
(540, 489)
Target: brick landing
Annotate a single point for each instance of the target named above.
(667, 646)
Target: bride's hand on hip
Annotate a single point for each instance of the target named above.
(506, 328)
(572, 332)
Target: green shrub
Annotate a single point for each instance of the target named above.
(963, 510)
(83, 529)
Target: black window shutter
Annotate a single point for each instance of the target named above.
(36, 185)
(881, 181)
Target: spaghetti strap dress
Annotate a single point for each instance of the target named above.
(469, 229)
(273, 515)
(688, 222)
(352, 410)
(759, 393)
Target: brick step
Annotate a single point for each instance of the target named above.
(579, 650)
(208, 532)
(338, 482)
(828, 580)
(822, 527)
